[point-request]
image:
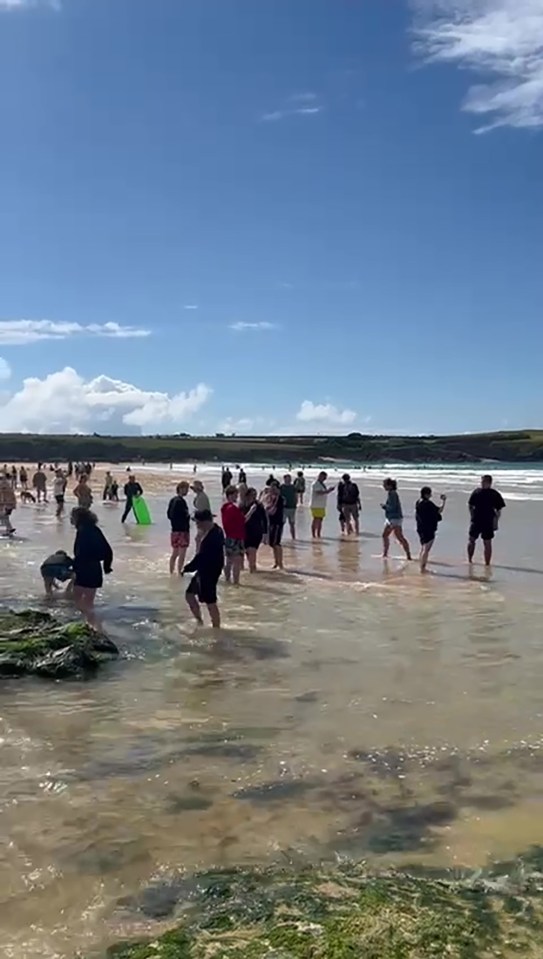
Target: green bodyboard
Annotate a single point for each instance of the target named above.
(141, 511)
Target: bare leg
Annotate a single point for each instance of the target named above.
(471, 550)
(228, 563)
(214, 614)
(357, 523)
(251, 559)
(487, 544)
(314, 528)
(386, 540)
(402, 540)
(424, 554)
(194, 607)
(292, 525)
(181, 560)
(278, 556)
(48, 584)
(173, 560)
(237, 564)
(84, 599)
(318, 528)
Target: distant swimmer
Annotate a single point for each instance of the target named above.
(233, 524)
(59, 492)
(108, 483)
(242, 476)
(348, 501)
(319, 496)
(8, 502)
(290, 500)
(299, 486)
(179, 517)
(57, 568)
(428, 516)
(23, 478)
(485, 506)
(393, 518)
(91, 552)
(256, 526)
(39, 482)
(131, 489)
(83, 492)
(208, 564)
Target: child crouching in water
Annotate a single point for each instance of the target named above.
(57, 568)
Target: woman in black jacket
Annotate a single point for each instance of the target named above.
(256, 526)
(91, 551)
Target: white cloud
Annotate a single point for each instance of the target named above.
(22, 332)
(500, 38)
(64, 402)
(243, 425)
(5, 369)
(22, 4)
(190, 306)
(324, 414)
(240, 326)
(308, 110)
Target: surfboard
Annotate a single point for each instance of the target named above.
(141, 511)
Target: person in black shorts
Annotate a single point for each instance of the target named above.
(275, 512)
(485, 506)
(91, 552)
(207, 564)
(428, 517)
(256, 526)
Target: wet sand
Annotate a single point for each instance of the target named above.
(349, 708)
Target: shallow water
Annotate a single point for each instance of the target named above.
(345, 709)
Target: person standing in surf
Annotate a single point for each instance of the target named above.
(233, 524)
(91, 552)
(256, 526)
(290, 500)
(428, 517)
(179, 517)
(393, 518)
(59, 491)
(8, 502)
(299, 486)
(207, 565)
(83, 492)
(131, 489)
(485, 507)
(319, 496)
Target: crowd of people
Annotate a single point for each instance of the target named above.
(248, 517)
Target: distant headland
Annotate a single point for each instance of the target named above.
(508, 447)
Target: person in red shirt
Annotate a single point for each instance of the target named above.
(233, 524)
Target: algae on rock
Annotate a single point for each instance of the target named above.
(33, 642)
(343, 913)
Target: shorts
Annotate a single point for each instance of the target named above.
(89, 576)
(275, 532)
(253, 542)
(426, 536)
(318, 512)
(393, 523)
(234, 547)
(204, 588)
(484, 530)
(56, 572)
(60, 500)
(180, 540)
(290, 514)
(350, 511)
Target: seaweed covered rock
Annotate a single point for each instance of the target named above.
(342, 913)
(32, 642)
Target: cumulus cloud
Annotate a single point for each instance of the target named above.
(22, 332)
(324, 414)
(241, 327)
(63, 402)
(5, 369)
(23, 4)
(500, 38)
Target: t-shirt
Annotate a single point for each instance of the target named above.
(318, 495)
(59, 486)
(233, 521)
(289, 495)
(299, 484)
(428, 516)
(484, 504)
(348, 494)
(178, 515)
(39, 480)
(201, 501)
(209, 560)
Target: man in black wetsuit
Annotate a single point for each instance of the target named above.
(485, 507)
(131, 490)
(207, 565)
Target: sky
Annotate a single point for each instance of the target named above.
(266, 216)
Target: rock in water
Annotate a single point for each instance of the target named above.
(35, 643)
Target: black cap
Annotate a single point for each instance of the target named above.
(203, 516)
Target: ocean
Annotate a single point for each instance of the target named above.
(350, 708)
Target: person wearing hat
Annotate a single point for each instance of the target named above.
(201, 499)
(207, 565)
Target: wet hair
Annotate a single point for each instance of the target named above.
(83, 517)
(426, 492)
(390, 483)
(230, 490)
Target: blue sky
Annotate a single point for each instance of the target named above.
(267, 215)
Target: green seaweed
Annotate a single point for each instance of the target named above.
(36, 643)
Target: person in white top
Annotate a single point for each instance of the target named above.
(59, 491)
(319, 496)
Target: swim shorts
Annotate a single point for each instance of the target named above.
(234, 547)
(318, 513)
(205, 588)
(484, 530)
(60, 499)
(180, 540)
(393, 523)
(290, 513)
(350, 511)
